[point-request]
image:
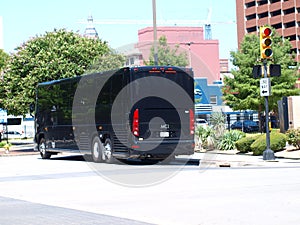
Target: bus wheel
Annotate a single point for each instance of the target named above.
(108, 151)
(97, 150)
(43, 149)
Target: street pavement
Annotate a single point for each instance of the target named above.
(14, 211)
(69, 191)
(54, 191)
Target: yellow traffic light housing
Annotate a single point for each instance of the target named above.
(265, 34)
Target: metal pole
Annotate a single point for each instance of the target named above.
(268, 154)
(154, 33)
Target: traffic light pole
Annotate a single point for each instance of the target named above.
(268, 154)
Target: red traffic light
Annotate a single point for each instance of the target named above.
(267, 31)
(265, 42)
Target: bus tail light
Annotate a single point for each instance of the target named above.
(135, 123)
(192, 122)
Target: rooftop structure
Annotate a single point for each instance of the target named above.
(90, 30)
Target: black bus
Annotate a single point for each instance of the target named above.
(131, 113)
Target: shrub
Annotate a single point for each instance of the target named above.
(229, 139)
(293, 137)
(203, 134)
(217, 121)
(243, 145)
(277, 143)
(2, 144)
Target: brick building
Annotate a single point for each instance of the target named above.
(283, 15)
(203, 54)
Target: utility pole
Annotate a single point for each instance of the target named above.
(190, 55)
(154, 33)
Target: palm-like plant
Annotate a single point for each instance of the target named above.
(217, 121)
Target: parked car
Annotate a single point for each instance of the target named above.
(12, 134)
(246, 126)
(201, 122)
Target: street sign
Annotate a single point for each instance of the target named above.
(3, 116)
(265, 87)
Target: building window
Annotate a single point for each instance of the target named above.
(289, 11)
(251, 17)
(277, 26)
(294, 50)
(250, 4)
(276, 13)
(262, 2)
(213, 99)
(263, 15)
(273, 1)
(292, 37)
(131, 60)
(251, 29)
(290, 24)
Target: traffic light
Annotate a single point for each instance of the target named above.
(275, 70)
(265, 34)
(257, 71)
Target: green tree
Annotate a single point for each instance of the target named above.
(242, 92)
(107, 62)
(54, 55)
(4, 57)
(167, 55)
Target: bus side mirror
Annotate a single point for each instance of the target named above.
(31, 109)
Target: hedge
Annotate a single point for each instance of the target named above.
(277, 143)
(243, 145)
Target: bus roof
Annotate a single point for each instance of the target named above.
(134, 69)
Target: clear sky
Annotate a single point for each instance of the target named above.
(23, 19)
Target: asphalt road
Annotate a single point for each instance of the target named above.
(20, 212)
(68, 190)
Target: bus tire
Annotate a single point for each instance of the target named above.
(108, 151)
(97, 150)
(43, 149)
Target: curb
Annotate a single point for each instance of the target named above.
(23, 152)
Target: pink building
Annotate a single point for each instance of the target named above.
(203, 54)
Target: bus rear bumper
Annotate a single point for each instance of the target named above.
(163, 150)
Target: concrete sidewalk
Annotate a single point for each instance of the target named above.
(233, 158)
(18, 148)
